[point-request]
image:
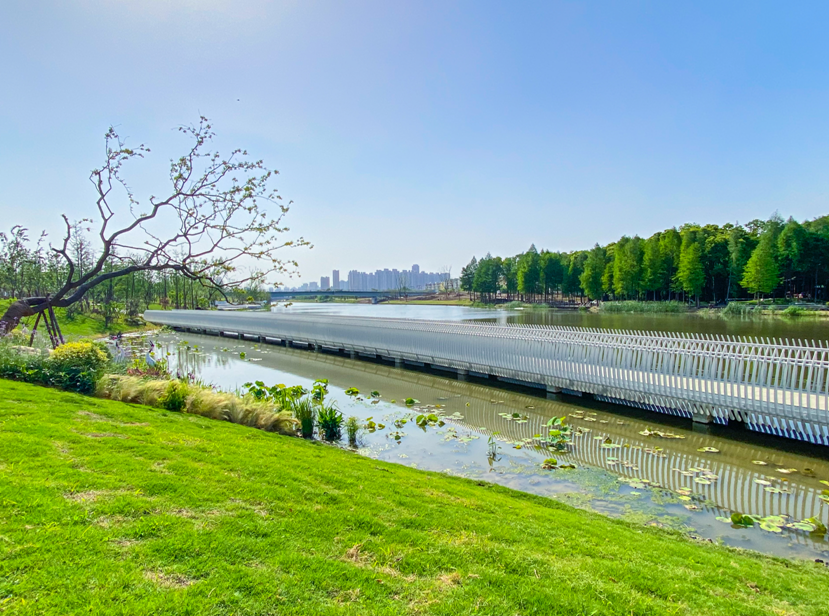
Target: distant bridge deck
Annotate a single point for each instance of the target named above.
(277, 295)
(770, 386)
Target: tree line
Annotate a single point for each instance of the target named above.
(708, 263)
(29, 269)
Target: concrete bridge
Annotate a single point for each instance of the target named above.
(773, 386)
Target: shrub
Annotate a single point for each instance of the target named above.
(175, 397)
(330, 423)
(75, 366)
(794, 311)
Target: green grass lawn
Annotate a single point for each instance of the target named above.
(108, 508)
(82, 325)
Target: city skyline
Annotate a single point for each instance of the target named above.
(378, 280)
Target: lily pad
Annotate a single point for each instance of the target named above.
(807, 526)
(762, 482)
(759, 463)
(709, 450)
(702, 481)
(772, 528)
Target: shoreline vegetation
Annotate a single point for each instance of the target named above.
(167, 512)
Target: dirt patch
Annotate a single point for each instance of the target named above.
(183, 513)
(447, 580)
(353, 554)
(84, 497)
(95, 417)
(169, 580)
(103, 435)
(108, 521)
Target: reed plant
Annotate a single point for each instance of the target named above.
(644, 307)
(305, 412)
(352, 429)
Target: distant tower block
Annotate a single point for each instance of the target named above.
(335, 277)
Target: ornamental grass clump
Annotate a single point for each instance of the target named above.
(197, 400)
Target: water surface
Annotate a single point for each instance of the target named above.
(798, 328)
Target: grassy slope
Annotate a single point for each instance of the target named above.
(108, 508)
(83, 325)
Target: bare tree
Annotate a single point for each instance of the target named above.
(212, 222)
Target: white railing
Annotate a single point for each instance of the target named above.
(772, 385)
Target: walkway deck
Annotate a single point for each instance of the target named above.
(779, 387)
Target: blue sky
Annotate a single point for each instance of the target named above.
(431, 131)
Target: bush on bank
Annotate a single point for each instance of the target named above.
(75, 366)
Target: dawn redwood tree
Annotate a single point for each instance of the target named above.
(218, 215)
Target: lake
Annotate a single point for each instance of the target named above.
(801, 328)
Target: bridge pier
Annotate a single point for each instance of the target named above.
(398, 362)
(702, 418)
(317, 348)
(352, 354)
(463, 374)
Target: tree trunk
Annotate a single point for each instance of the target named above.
(18, 310)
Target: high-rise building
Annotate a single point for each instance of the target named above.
(325, 283)
(312, 286)
(336, 276)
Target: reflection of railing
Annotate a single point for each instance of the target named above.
(773, 386)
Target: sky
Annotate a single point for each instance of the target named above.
(427, 132)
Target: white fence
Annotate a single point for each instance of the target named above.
(774, 386)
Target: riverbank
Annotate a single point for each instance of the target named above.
(123, 509)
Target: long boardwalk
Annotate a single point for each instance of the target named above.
(773, 386)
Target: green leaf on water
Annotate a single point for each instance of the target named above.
(708, 450)
(759, 463)
(772, 528)
(807, 526)
(352, 391)
(722, 519)
(702, 481)
(762, 482)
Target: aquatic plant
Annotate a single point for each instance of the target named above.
(643, 307)
(330, 421)
(352, 429)
(305, 413)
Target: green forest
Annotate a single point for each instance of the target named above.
(711, 263)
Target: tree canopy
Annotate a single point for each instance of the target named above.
(704, 263)
(218, 225)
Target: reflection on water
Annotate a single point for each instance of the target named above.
(624, 467)
(805, 328)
